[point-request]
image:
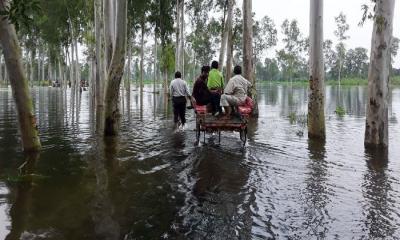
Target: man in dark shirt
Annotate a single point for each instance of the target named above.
(200, 90)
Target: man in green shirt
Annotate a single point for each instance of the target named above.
(215, 84)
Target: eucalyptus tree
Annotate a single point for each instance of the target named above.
(248, 72)
(356, 62)
(116, 70)
(340, 33)
(293, 41)
(19, 84)
(329, 57)
(376, 127)
(229, 41)
(316, 97)
(265, 37)
(162, 17)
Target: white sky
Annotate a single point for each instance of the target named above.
(279, 10)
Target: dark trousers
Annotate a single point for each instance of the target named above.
(215, 99)
(179, 106)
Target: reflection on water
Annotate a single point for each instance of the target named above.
(152, 183)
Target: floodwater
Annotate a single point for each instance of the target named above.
(152, 183)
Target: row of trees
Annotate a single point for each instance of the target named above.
(108, 29)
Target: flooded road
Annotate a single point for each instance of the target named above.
(152, 183)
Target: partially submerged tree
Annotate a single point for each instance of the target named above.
(116, 70)
(19, 84)
(376, 127)
(316, 101)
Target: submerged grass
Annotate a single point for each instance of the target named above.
(340, 111)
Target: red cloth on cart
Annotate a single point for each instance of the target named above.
(200, 109)
(247, 107)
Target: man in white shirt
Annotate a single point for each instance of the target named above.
(179, 91)
(235, 92)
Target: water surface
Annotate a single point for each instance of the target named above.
(152, 183)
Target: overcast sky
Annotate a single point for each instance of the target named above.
(279, 10)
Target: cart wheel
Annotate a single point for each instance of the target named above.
(243, 135)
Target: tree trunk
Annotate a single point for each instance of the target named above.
(155, 62)
(177, 44)
(376, 129)
(248, 71)
(247, 40)
(224, 38)
(108, 32)
(316, 115)
(116, 71)
(128, 73)
(19, 85)
(142, 55)
(1, 68)
(182, 39)
(229, 23)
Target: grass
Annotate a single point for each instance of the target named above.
(340, 111)
(394, 81)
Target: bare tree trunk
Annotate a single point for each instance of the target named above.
(229, 43)
(19, 85)
(224, 38)
(155, 62)
(108, 31)
(99, 64)
(248, 71)
(142, 55)
(112, 113)
(376, 128)
(178, 36)
(128, 73)
(247, 40)
(316, 101)
(182, 39)
(1, 67)
(31, 66)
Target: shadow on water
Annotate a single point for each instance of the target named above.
(378, 208)
(316, 193)
(219, 206)
(20, 211)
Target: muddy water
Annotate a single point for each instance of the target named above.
(152, 183)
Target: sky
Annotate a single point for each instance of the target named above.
(279, 10)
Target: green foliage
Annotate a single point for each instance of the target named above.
(20, 12)
(264, 36)
(168, 58)
(289, 58)
(340, 111)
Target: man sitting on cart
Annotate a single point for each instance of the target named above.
(215, 84)
(201, 94)
(235, 92)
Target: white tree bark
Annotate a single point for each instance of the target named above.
(19, 84)
(247, 40)
(229, 40)
(1, 67)
(182, 38)
(178, 36)
(155, 62)
(116, 70)
(224, 39)
(108, 31)
(316, 101)
(376, 128)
